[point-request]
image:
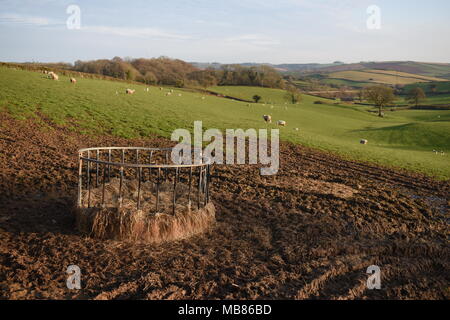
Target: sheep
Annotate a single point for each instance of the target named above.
(179, 94)
(53, 75)
(160, 89)
(203, 98)
(130, 91)
(363, 141)
(45, 72)
(297, 129)
(73, 80)
(267, 118)
(168, 94)
(282, 123)
(147, 89)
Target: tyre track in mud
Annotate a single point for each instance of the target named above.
(275, 237)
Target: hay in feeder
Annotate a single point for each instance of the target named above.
(119, 219)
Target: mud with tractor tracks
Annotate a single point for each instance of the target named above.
(309, 232)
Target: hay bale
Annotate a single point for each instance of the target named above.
(126, 223)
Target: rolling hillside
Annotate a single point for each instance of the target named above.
(403, 139)
(381, 77)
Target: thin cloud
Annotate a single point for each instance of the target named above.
(253, 39)
(12, 18)
(135, 32)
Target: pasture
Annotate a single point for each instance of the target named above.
(381, 77)
(403, 139)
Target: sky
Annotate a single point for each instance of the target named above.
(228, 31)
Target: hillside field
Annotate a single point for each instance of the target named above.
(381, 77)
(403, 139)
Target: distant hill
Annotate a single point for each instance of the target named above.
(429, 69)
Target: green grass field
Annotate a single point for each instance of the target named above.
(403, 139)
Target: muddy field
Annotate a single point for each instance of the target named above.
(308, 233)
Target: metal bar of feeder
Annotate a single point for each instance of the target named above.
(157, 189)
(150, 169)
(89, 179)
(175, 179)
(190, 187)
(199, 187)
(207, 184)
(137, 160)
(80, 178)
(109, 166)
(120, 187)
(96, 174)
(139, 189)
(103, 187)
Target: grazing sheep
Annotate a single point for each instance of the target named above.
(45, 72)
(297, 129)
(203, 98)
(267, 118)
(53, 75)
(179, 94)
(147, 89)
(282, 123)
(364, 141)
(171, 90)
(130, 91)
(168, 94)
(160, 88)
(73, 80)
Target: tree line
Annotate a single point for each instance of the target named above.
(166, 71)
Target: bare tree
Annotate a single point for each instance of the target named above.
(293, 95)
(416, 95)
(380, 96)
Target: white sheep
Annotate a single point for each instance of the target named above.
(267, 118)
(53, 75)
(282, 123)
(364, 141)
(130, 91)
(73, 80)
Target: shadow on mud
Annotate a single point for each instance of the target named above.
(33, 211)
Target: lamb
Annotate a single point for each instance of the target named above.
(73, 80)
(364, 141)
(282, 123)
(267, 118)
(130, 91)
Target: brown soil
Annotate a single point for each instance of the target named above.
(309, 232)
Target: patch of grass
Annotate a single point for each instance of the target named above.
(403, 139)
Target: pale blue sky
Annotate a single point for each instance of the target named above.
(231, 31)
